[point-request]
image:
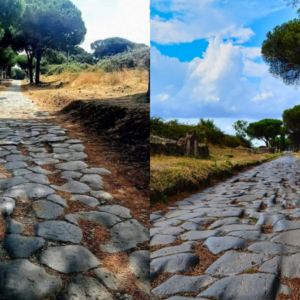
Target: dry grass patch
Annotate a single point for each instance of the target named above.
(2, 228)
(294, 285)
(85, 86)
(206, 259)
(267, 229)
(75, 207)
(94, 235)
(4, 85)
(119, 264)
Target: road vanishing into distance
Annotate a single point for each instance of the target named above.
(44, 249)
(245, 231)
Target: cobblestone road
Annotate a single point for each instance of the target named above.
(250, 225)
(52, 261)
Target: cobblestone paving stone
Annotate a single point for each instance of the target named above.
(52, 262)
(253, 227)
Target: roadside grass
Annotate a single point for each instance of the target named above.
(166, 171)
(4, 85)
(57, 91)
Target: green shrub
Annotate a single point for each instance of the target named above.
(18, 74)
(137, 58)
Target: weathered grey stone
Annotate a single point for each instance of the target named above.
(84, 288)
(199, 235)
(72, 219)
(191, 226)
(12, 158)
(72, 166)
(126, 235)
(59, 231)
(15, 165)
(176, 213)
(99, 171)
(22, 280)
(159, 239)
(47, 210)
(58, 200)
(20, 172)
(269, 248)
(286, 225)
(7, 206)
(77, 147)
(45, 161)
(71, 156)
(92, 180)
(252, 235)
(69, 259)
(290, 238)
(37, 178)
(201, 221)
(170, 230)
(179, 284)
(233, 262)
(218, 244)
(73, 187)
(18, 246)
(230, 228)
(28, 190)
(39, 170)
(183, 248)
(226, 221)
(105, 219)
(270, 219)
(113, 281)
(226, 214)
(139, 263)
(117, 210)
(14, 227)
(102, 195)
(89, 201)
(244, 287)
(70, 175)
(283, 266)
(174, 263)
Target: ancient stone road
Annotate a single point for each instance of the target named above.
(52, 261)
(251, 221)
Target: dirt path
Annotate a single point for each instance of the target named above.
(62, 236)
(235, 241)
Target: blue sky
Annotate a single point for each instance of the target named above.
(206, 61)
(110, 18)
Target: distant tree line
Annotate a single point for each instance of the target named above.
(206, 131)
(50, 32)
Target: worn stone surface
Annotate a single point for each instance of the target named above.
(180, 284)
(36, 283)
(58, 231)
(69, 259)
(220, 244)
(105, 219)
(85, 288)
(126, 235)
(18, 246)
(117, 210)
(73, 187)
(244, 287)
(87, 200)
(47, 210)
(139, 263)
(29, 190)
(174, 263)
(233, 262)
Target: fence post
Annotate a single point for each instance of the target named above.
(196, 153)
(188, 147)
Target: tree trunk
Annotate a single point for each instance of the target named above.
(38, 67)
(267, 144)
(148, 93)
(30, 66)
